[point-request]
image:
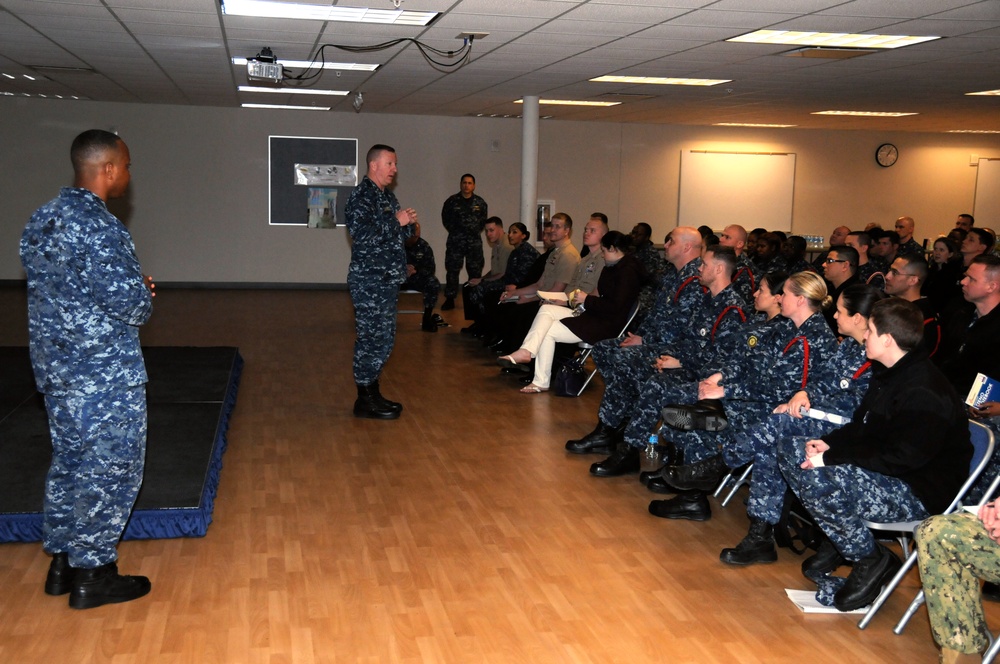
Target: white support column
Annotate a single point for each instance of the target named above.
(529, 164)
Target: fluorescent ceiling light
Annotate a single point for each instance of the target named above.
(293, 91)
(287, 107)
(653, 80)
(973, 131)
(306, 64)
(26, 94)
(752, 124)
(864, 114)
(269, 9)
(572, 102)
(839, 39)
(985, 93)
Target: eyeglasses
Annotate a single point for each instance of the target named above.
(836, 260)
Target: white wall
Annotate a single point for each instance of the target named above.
(197, 207)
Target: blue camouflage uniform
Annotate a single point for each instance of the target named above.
(902, 456)
(378, 267)
(625, 369)
(720, 323)
(464, 219)
(746, 277)
(782, 365)
(420, 255)
(871, 273)
(836, 386)
(86, 299)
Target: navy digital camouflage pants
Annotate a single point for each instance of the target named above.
(954, 553)
(427, 284)
(98, 453)
(659, 390)
(624, 371)
(462, 247)
(375, 304)
(842, 496)
(759, 444)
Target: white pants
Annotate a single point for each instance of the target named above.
(545, 332)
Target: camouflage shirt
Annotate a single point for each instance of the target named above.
(376, 237)
(464, 215)
(86, 297)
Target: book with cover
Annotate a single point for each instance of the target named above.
(983, 389)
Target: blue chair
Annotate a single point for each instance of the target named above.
(982, 443)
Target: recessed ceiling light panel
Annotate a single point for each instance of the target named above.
(269, 9)
(865, 114)
(654, 80)
(293, 91)
(572, 102)
(839, 39)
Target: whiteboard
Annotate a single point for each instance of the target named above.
(751, 189)
(987, 206)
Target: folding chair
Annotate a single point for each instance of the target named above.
(982, 443)
(744, 474)
(739, 480)
(411, 311)
(588, 348)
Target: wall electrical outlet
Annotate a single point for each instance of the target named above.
(495, 145)
(974, 160)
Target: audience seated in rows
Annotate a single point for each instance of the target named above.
(583, 317)
(786, 361)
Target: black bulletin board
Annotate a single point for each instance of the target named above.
(289, 201)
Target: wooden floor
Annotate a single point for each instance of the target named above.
(461, 532)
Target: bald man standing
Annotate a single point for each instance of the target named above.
(87, 298)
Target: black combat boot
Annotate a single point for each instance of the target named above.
(706, 414)
(866, 579)
(756, 547)
(702, 475)
(601, 440)
(449, 304)
(690, 505)
(429, 324)
(104, 585)
(624, 460)
(369, 405)
(60, 578)
(394, 405)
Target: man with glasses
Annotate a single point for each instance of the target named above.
(904, 280)
(840, 271)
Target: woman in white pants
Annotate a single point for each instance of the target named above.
(590, 318)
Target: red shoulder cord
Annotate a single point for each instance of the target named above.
(805, 356)
(687, 281)
(753, 284)
(863, 368)
(731, 307)
(937, 344)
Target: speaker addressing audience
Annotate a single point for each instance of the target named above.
(378, 226)
(87, 298)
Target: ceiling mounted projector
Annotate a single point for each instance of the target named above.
(264, 68)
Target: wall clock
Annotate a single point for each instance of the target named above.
(886, 155)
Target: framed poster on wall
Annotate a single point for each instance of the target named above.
(310, 179)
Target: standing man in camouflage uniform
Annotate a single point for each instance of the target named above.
(86, 300)
(463, 216)
(954, 552)
(378, 228)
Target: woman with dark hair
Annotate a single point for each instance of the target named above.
(944, 273)
(590, 318)
(523, 255)
(836, 387)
